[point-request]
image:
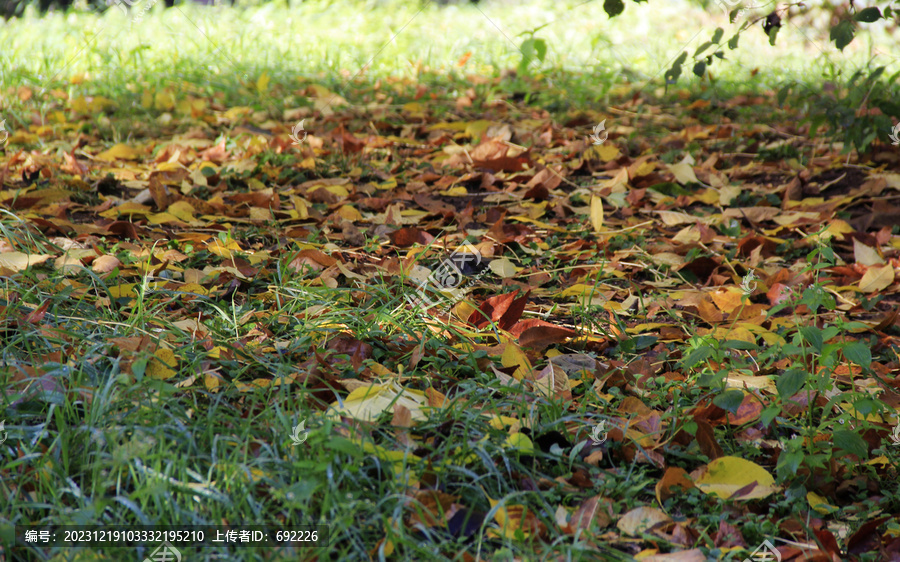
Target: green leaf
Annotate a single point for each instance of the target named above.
(702, 48)
(869, 15)
(783, 94)
(769, 414)
(540, 48)
(773, 32)
(698, 355)
(733, 42)
(813, 336)
(859, 353)
(729, 400)
(842, 34)
(700, 68)
(790, 382)
(673, 73)
(717, 36)
(533, 48)
(851, 442)
(789, 463)
(739, 344)
(613, 7)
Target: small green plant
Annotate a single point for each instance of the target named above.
(860, 111)
(533, 48)
(816, 346)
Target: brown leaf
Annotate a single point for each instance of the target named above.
(539, 334)
(594, 511)
(504, 310)
(37, 315)
(105, 264)
(674, 477)
(409, 236)
(706, 439)
(495, 155)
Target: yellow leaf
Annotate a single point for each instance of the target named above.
(838, 229)
(876, 279)
(521, 442)
(388, 455)
(126, 208)
(129, 289)
(223, 250)
(499, 422)
(368, 402)
(163, 218)
(740, 380)
(641, 328)
(819, 504)
(513, 519)
(17, 261)
(513, 356)
(790, 217)
(597, 213)
(537, 223)
(262, 85)
(212, 381)
(183, 210)
(79, 105)
(160, 366)
(164, 100)
(193, 288)
(119, 152)
(262, 383)
(667, 258)
(414, 109)
(349, 213)
(605, 152)
(674, 218)
(503, 268)
(683, 172)
(455, 191)
(640, 520)
(554, 382)
(70, 262)
(578, 290)
(726, 475)
(216, 352)
(866, 255)
(727, 298)
(728, 193)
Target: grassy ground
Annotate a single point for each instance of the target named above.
(134, 397)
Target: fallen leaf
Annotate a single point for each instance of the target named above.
(597, 213)
(18, 261)
(368, 402)
(877, 279)
(734, 478)
(642, 519)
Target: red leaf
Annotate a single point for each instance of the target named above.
(504, 310)
(37, 315)
(540, 334)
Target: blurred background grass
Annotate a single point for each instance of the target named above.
(114, 52)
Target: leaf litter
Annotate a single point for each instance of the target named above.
(731, 316)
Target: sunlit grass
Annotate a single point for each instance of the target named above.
(334, 43)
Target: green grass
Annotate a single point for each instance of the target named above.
(95, 439)
(117, 449)
(226, 50)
